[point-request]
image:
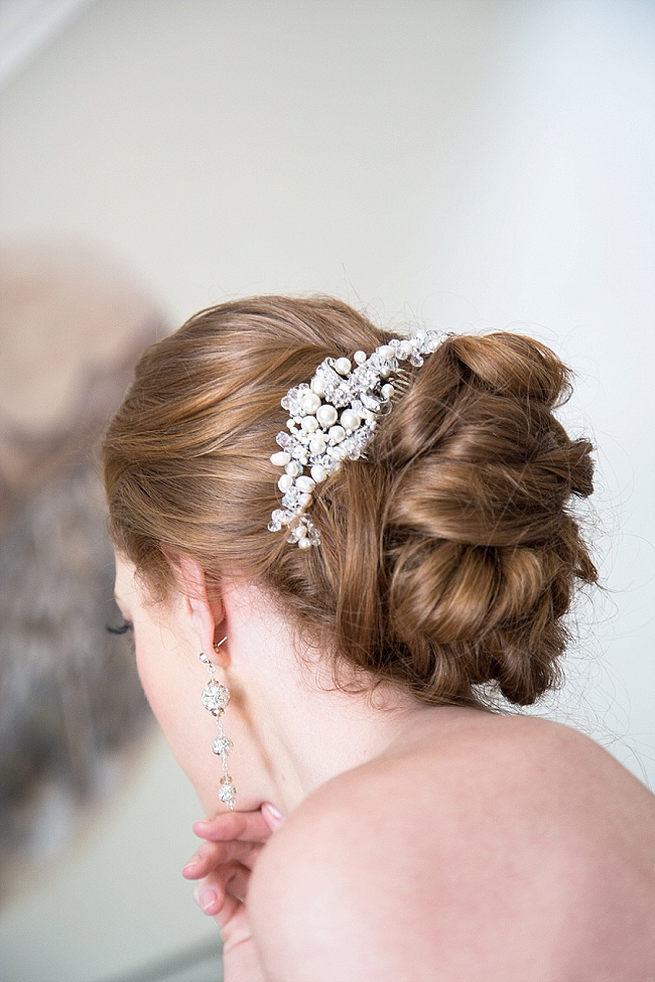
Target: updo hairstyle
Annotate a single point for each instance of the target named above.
(448, 555)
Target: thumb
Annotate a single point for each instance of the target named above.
(272, 816)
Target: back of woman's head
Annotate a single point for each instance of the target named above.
(448, 555)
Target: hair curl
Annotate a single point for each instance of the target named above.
(449, 555)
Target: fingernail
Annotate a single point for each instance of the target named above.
(274, 812)
(208, 900)
(190, 868)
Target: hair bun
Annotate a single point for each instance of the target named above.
(481, 551)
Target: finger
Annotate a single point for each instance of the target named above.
(237, 882)
(272, 816)
(243, 826)
(231, 881)
(214, 854)
(228, 909)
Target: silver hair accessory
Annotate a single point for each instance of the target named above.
(215, 697)
(332, 418)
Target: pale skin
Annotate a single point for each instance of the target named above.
(390, 840)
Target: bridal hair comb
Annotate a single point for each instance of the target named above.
(332, 418)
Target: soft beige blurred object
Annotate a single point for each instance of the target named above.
(72, 323)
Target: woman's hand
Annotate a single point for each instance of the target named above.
(222, 866)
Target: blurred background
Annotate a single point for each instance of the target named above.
(470, 165)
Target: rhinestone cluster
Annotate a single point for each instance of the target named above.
(332, 418)
(215, 698)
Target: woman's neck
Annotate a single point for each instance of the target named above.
(300, 730)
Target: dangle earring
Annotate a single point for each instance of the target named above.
(215, 698)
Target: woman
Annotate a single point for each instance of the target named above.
(358, 568)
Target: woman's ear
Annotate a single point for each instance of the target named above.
(205, 607)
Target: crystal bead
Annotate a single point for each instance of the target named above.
(227, 793)
(293, 400)
(342, 395)
(358, 441)
(277, 520)
(215, 696)
(292, 498)
(338, 452)
(222, 745)
(325, 379)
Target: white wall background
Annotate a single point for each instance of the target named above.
(471, 164)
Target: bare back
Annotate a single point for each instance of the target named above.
(479, 846)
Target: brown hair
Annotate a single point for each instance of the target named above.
(448, 555)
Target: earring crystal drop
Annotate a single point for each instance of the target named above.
(215, 697)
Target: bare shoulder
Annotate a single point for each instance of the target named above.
(504, 842)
